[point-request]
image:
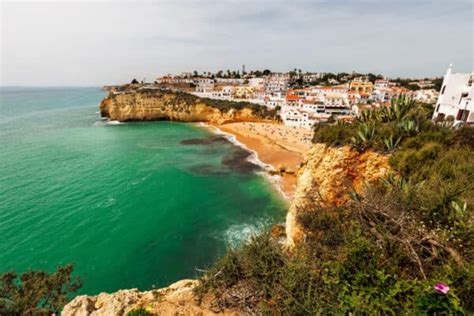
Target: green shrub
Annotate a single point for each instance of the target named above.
(36, 292)
(140, 311)
(333, 134)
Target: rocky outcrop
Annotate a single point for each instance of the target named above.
(155, 105)
(327, 176)
(177, 299)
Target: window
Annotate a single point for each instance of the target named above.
(442, 90)
(437, 108)
(462, 115)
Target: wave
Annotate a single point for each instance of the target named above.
(114, 123)
(239, 234)
(107, 122)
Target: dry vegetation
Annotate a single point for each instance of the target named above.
(383, 252)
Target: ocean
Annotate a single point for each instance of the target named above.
(131, 205)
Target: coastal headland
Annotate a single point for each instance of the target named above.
(257, 128)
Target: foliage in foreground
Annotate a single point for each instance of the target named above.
(36, 292)
(384, 251)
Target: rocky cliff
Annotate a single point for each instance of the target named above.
(176, 299)
(157, 104)
(327, 176)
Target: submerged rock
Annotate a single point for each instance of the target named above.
(205, 141)
(238, 161)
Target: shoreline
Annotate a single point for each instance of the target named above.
(275, 147)
(275, 180)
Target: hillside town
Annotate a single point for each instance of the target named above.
(304, 99)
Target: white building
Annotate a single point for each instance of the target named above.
(204, 85)
(275, 84)
(426, 95)
(257, 82)
(381, 84)
(456, 98)
(301, 118)
(273, 101)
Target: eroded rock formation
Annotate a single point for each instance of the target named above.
(327, 175)
(176, 299)
(155, 105)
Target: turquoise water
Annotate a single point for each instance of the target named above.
(131, 205)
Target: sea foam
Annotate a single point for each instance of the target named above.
(239, 234)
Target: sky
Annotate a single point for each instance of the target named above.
(87, 43)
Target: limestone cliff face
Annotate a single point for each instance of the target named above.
(172, 106)
(328, 175)
(177, 299)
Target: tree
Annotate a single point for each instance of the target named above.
(195, 73)
(37, 292)
(267, 72)
(134, 81)
(437, 83)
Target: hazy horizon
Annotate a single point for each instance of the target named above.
(100, 43)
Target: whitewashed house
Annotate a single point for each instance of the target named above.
(426, 95)
(276, 83)
(381, 84)
(204, 85)
(257, 83)
(456, 98)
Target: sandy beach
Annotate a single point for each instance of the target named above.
(277, 145)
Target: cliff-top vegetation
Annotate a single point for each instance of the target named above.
(404, 246)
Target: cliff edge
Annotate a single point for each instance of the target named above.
(176, 299)
(160, 104)
(327, 176)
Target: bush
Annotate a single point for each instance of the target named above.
(36, 292)
(333, 134)
(140, 311)
(379, 129)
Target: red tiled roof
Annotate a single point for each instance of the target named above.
(292, 97)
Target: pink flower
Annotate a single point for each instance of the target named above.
(441, 288)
